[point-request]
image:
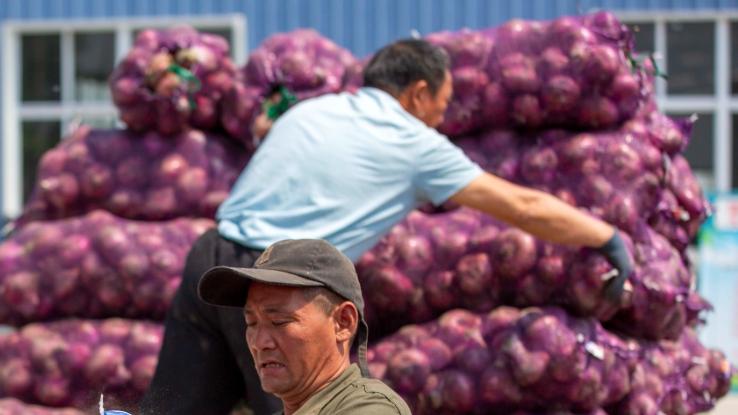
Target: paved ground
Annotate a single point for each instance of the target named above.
(726, 406)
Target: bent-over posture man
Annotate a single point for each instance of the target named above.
(303, 309)
(344, 168)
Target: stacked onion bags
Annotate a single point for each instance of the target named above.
(467, 314)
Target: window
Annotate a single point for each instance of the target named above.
(734, 59)
(701, 148)
(59, 79)
(691, 58)
(41, 56)
(643, 36)
(38, 136)
(93, 62)
(694, 49)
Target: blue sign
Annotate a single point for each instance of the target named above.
(718, 275)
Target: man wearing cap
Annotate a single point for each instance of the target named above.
(344, 168)
(303, 310)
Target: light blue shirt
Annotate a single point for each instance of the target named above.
(344, 168)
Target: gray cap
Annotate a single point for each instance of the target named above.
(292, 263)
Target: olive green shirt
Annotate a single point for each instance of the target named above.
(353, 394)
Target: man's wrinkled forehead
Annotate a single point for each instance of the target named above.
(272, 299)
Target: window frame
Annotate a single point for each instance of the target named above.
(721, 103)
(16, 112)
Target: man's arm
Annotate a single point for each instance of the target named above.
(533, 211)
(548, 218)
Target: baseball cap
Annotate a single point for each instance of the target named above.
(292, 263)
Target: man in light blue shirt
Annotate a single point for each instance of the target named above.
(344, 168)
(369, 163)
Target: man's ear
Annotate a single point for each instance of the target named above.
(346, 318)
(412, 97)
(420, 93)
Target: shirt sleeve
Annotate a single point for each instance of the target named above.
(374, 404)
(442, 169)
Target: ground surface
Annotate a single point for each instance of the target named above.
(726, 406)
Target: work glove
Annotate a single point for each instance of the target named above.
(616, 253)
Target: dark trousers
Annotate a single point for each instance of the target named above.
(204, 365)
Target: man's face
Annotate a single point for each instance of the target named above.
(432, 108)
(290, 338)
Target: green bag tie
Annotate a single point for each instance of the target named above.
(192, 82)
(274, 110)
(634, 63)
(637, 64)
(656, 70)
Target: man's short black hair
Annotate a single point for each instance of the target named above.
(326, 300)
(398, 65)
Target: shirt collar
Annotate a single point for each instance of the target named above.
(317, 401)
(387, 101)
(380, 95)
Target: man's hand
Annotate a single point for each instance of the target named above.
(615, 252)
(551, 219)
(261, 126)
(276, 104)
